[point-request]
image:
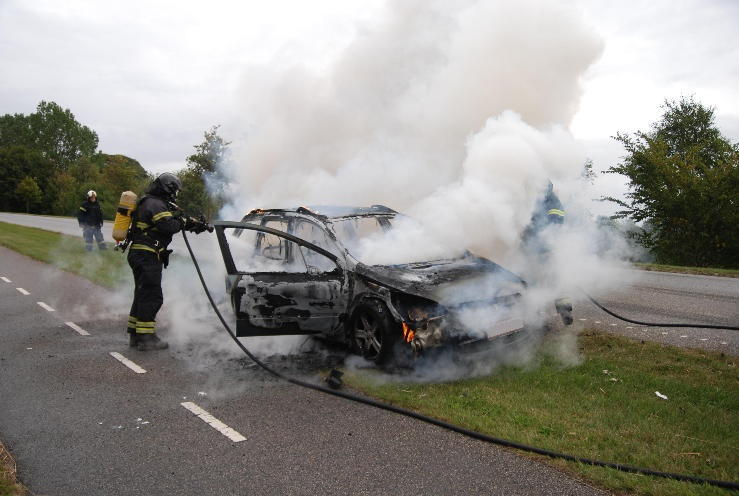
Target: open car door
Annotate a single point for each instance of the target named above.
(280, 284)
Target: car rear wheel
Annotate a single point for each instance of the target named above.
(373, 333)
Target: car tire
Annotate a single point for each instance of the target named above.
(373, 333)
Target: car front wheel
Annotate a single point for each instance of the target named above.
(372, 335)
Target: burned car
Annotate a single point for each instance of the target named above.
(297, 271)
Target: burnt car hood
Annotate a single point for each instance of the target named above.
(450, 282)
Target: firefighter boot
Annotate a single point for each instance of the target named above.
(133, 339)
(148, 342)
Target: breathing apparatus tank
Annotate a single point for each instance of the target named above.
(122, 221)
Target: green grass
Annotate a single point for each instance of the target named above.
(9, 485)
(613, 416)
(706, 271)
(105, 268)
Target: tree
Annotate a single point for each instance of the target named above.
(17, 162)
(29, 192)
(684, 181)
(202, 181)
(58, 135)
(209, 153)
(52, 131)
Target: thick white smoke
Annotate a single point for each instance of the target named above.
(455, 113)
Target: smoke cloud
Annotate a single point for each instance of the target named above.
(454, 113)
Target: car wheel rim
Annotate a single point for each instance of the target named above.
(367, 336)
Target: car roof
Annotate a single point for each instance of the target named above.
(328, 211)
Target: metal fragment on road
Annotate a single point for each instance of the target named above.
(213, 422)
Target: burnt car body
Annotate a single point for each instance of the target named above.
(294, 271)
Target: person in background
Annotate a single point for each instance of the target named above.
(548, 214)
(90, 219)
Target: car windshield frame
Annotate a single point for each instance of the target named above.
(384, 221)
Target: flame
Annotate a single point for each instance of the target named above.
(408, 333)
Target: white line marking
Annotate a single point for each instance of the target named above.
(582, 320)
(597, 321)
(684, 336)
(128, 363)
(214, 422)
(614, 325)
(77, 328)
(704, 339)
(724, 342)
(5, 279)
(23, 291)
(45, 306)
(629, 327)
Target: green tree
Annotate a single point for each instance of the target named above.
(202, 181)
(683, 181)
(17, 162)
(29, 192)
(58, 135)
(68, 196)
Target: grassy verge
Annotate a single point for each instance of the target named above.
(65, 252)
(705, 271)
(604, 408)
(9, 485)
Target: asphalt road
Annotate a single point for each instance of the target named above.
(79, 421)
(663, 297)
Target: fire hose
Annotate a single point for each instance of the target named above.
(446, 425)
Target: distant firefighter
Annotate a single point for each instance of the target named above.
(90, 219)
(537, 243)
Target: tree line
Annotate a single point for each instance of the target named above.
(49, 161)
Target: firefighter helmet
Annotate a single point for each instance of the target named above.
(166, 184)
(91, 193)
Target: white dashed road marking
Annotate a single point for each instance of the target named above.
(214, 422)
(23, 291)
(597, 321)
(128, 363)
(5, 279)
(77, 328)
(45, 306)
(582, 320)
(614, 325)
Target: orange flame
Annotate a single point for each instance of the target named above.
(408, 333)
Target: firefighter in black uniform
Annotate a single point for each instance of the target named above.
(90, 219)
(155, 220)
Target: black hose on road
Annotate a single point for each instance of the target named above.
(652, 324)
(446, 425)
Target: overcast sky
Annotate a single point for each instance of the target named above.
(151, 77)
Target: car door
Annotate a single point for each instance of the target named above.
(279, 283)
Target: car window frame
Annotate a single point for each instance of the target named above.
(221, 226)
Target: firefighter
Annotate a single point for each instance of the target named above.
(155, 220)
(548, 214)
(90, 219)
